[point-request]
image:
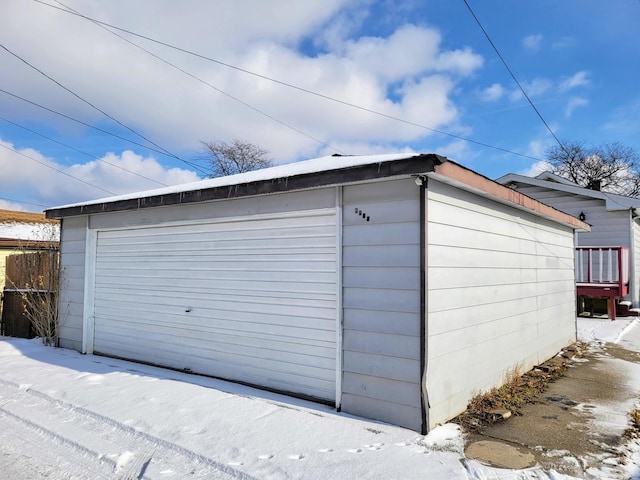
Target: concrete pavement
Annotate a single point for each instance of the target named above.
(579, 421)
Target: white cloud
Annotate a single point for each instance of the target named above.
(532, 42)
(178, 112)
(573, 103)
(536, 168)
(564, 42)
(8, 205)
(534, 88)
(493, 93)
(579, 79)
(53, 183)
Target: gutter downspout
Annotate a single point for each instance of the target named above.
(423, 307)
(633, 285)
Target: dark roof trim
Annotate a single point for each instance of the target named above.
(413, 165)
(16, 244)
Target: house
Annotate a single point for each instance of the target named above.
(20, 232)
(394, 287)
(24, 231)
(615, 225)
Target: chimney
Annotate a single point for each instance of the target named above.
(595, 185)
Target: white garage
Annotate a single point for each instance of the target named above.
(382, 285)
(252, 299)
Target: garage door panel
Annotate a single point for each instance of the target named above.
(273, 351)
(261, 295)
(171, 275)
(262, 289)
(245, 304)
(304, 333)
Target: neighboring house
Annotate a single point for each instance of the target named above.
(613, 219)
(396, 287)
(21, 232)
(24, 231)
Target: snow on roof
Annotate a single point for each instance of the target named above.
(15, 225)
(315, 165)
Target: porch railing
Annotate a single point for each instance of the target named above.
(603, 272)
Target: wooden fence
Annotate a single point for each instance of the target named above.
(31, 279)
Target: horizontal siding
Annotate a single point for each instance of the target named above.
(250, 299)
(72, 277)
(381, 302)
(608, 228)
(499, 280)
(635, 251)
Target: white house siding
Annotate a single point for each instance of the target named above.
(608, 228)
(381, 303)
(500, 295)
(72, 277)
(635, 284)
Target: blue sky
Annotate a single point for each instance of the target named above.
(425, 62)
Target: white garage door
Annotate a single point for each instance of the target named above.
(252, 300)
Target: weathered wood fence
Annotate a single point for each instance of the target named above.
(31, 284)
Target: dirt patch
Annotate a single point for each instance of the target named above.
(554, 409)
(519, 390)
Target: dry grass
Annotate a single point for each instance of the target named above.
(634, 429)
(11, 216)
(517, 391)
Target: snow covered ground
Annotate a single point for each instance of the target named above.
(69, 416)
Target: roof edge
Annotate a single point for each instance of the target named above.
(492, 189)
(613, 201)
(416, 164)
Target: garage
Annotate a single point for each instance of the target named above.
(253, 299)
(383, 285)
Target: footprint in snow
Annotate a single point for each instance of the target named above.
(296, 456)
(266, 456)
(374, 446)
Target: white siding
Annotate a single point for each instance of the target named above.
(251, 299)
(72, 276)
(381, 303)
(608, 228)
(635, 251)
(500, 295)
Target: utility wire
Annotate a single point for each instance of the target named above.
(56, 169)
(25, 203)
(289, 85)
(4, 47)
(81, 151)
(94, 127)
(535, 109)
(255, 109)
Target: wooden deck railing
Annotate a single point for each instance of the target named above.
(603, 272)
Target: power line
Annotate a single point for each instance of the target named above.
(196, 167)
(56, 169)
(81, 151)
(261, 112)
(289, 85)
(535, 109)
(90, 104)
(23, 202)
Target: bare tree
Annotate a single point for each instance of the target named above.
(611, 167)
(235, 157)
